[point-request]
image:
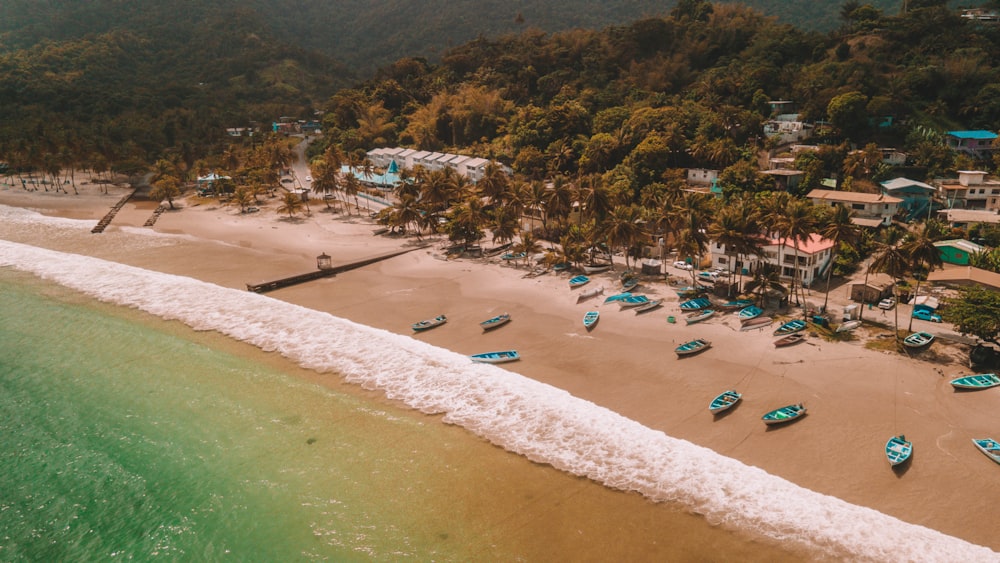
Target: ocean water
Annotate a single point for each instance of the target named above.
(234, 458)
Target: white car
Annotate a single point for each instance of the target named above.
(887, 303)
(309, 178)
(683, 265)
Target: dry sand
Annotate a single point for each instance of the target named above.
(857, 398)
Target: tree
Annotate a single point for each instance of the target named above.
(923, 256)
(622, 228)
(848, 113)
(166, 188)
(291, 203)
(891, 260)
(735, 228)
(837, 227)
(796, 225)
(976, 312)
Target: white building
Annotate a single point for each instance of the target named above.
(814, 256)
(870, 210)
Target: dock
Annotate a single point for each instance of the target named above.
(106, 220)
(326, 272)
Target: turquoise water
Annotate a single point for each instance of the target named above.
(123, 441)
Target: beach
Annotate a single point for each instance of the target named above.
(856, 398)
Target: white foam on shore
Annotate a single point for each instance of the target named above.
(541, 422)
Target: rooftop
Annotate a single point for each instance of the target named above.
(975, 134)
(852, 197)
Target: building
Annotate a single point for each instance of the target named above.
(785, 180)
(957, 251)
(965, 218)
(916, 198)
(870, 210)
(875, 289)
(971, 190)
(471, 167)
(814, 255)
(788, 128)
(978, 143)
(702, 176)
(966, 276)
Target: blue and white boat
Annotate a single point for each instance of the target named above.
(513, 256)
(988, 446)
(791, 327)
(725, 401)
(698, 316)
(693, 347)
(918, 340)
(496, 357)
(977, 381)
(736, 305)
(751, 312)
(618, 297)
(577, 281)
(633, 301)
(696, 304)
(898, 449)
(499, 320)
(590, 319)
(784, 414)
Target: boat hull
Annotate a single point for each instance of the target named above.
(988, 446)
(430, 323)
(789, 340)
(784, 414)
(590, 319)
(692, 347)
(978, 381)
(699, 316)
(496, 357)
(495, 322)
(724, 402)
(898, 449)
(791, 327)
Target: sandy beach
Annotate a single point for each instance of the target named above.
(856, 398)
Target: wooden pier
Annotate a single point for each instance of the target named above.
(99, 228)
(325, 273)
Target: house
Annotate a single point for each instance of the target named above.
(876, 288)
(965, 218)
(474, 169)
(966, 276)
(978, 143)
(893, 157)
(785, 180)
(971, 190)
(702, 176)
(916, 198)
(788, 128)
(814, 255)
(870, 210)
(957, 251)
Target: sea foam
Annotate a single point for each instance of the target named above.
(541, 422)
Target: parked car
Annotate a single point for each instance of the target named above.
(709, 276)
(887, 303)
(683, 265)
(926, 315)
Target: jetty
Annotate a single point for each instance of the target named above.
(325, 272)
(106, 220)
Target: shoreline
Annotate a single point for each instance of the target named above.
(856, 397)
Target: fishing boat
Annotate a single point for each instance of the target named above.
(693, 347)
(687, 291)
(784, 414)
(699, 316)
(595, 268)
(736, 305)
(618, 297)
(978, 381)
(791, 327)
(513, 256)
(988, 446)
(633, 301)
(918, 340)
(789, 340)
(629, 284)
(696, 304)
(577, 281)
(758, 322)
(649, 306)
(725, 401)
(499, 320)
(430, 323)
(590, 319)
(847, 326)
(588, 293)
(750, 312)
(496, 357)
(898, 449)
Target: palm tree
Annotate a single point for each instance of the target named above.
(766, 278)
(797, 225)
(734, 229)
(291, 203)
(838, 228)
(505, 224)
(622, 228)
(922, 255)
(891, 260)
(528, 245)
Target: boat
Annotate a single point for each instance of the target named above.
(758, 322)
(736, 305)
(513, 256)
(595, 268)
(629, 284)
(693, 347)
(430, 323)
(699, 316)
(649, 306)
(577, 281)
(562, 266)
(590, 319)
(988, 446)
(791, 327)
(499, 320)
(978, 381)
(898, 449)
(632, 301)
(847, 326)
(696, 304)
(688, 291)
(618, 297)
(784, 414)
(588, 293)
(789, 340)
(750, 312)
(726, 400)
(918, 340)
(496, 357)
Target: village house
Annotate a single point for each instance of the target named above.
(702, 176)
(971, 190)
(966, 276)
(957, 251)
(814, 256)
(977, 144)
(916, 198)
(471, 167)
(870, 210)
(965, 218)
